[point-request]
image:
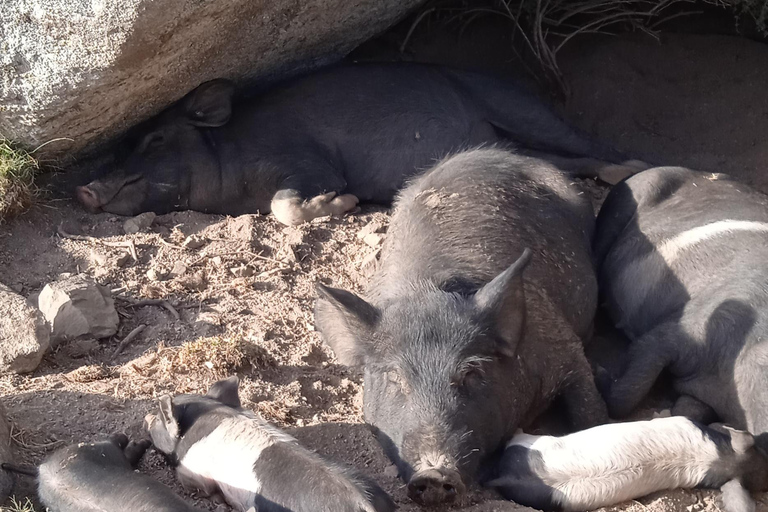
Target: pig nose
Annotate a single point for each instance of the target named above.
(435, 486)
(89, 198)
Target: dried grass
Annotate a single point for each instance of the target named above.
(19, 506)
(195, 365)
(540, 28)
(18, 169)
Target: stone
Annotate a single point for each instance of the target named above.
(194, 242)
(242, 271)
(6, 456)
(24, 334)
(179, 269)
(373, 239)
(79, 72)
(138, 223)
(77, 306)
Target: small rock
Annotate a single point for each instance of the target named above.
(17, 287)
(373, 239)
(391, 471)
(6, 456)
(155, 275)
(242, 271)
(216, 260)
(179, 269)
(76, 306)
(24, 335)
(375, 226)
(89, 373)
(194, 242)
(195, 282)
(138, 223)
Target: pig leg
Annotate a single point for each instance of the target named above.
(584, 405)
(694, 409)
(305, 197)
(294, 211)
(586, 167)
(135, 451)
(648, 356)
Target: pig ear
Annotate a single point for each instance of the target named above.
(345, 321)
(226, 391)
(503, 300)
(210, 105)
(163, 428)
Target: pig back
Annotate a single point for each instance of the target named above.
(470, 217)
(681, 238)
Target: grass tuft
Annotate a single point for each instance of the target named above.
(19, 506)
(18, 169)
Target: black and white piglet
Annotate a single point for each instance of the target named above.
(100, 476)
(613, 463)
(218, 447)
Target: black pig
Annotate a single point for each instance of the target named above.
(94, 477)
(218, 447)
(683, 273)
(469, 334)
(317, 145)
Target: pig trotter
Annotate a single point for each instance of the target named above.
(293, 211)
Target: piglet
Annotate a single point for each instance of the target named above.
(100, 476)
(613, 463)
(218, 447)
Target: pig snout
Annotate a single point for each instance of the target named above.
(435, 486)
(89, 198)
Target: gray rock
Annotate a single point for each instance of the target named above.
(81, 71)
(76, 306)
(138, 223)
(24, 335)
(6, 455)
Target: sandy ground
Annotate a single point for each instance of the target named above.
(244, 296)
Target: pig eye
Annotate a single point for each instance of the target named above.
(471, 378)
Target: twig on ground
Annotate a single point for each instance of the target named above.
(125, 244)
(127, 340)
(152, 302)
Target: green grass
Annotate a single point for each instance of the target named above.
(18, 169)
(19, 506)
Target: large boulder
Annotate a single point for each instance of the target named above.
(24, 335)
(80, 71)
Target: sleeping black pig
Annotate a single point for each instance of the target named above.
(319, 144)
(476, 316)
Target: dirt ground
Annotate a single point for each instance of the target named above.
(244, 295)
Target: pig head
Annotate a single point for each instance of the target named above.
(439, 374)
(173, 165)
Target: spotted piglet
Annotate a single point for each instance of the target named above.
(218, 447)
(613, 463)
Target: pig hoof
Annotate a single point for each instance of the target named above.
(343, 204)
(637, 164)
(613, 174)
